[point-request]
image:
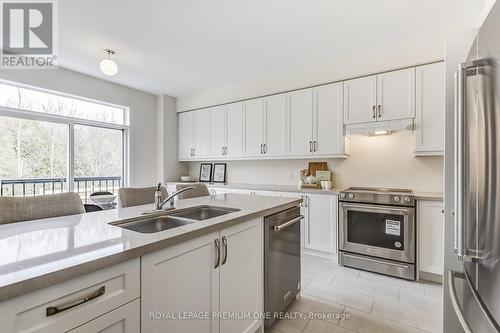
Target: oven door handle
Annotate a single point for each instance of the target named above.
(377, 208)
(377, 261)
(288, 223)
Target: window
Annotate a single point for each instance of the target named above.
(52, 143)
(26, 99)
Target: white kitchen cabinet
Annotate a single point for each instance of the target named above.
(226, 131)
(125, 319)
(194, 134)
(382, 97)
(254, 127)
(429, 118)
(241, 275)
(275, 126)
(396, 95)
(217, 126)
(321, 227)
(97, 293)
(328, 120)
(201, 133)
(300, 122)
(234, 130)
(195, 276)
(178, 279)
(186, 135)
(431, 236)
(360, 99)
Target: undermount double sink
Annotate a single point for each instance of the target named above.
(173, 219)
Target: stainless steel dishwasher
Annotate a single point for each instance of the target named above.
(281, 261)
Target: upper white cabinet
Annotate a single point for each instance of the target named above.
(186, 135)
(234, 130)
(217, 131)
(381, 97)
(275, 126)
(311, 122)
(300, 122)
(431, 237)
(396, 95)
(254, 127)
(201, 134)
(429, 119)
(360, 99)
(226, 130)
(328, 124)
(194, 134)
(315, 121)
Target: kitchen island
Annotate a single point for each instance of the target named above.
(80, 271)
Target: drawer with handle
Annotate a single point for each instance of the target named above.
(72, 303)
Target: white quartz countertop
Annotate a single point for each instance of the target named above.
(38, 254)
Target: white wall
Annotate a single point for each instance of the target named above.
(384, 161)
(143, 147)
(168, 166)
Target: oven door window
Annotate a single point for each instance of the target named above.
(376, 229)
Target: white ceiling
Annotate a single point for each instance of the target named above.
(180, 47)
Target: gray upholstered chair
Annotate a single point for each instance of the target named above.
(19, 209)
(200, 190)
(130, 196)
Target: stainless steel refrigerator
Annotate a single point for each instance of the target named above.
(474, 288)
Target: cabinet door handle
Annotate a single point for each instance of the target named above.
(374, 115)
(225, 150)
(217, 256)
(261, 148)
(379, 112)
(194, 152)
(224, 243)
(265, 148)
(310, 146)
(52, 310)
(315, 146)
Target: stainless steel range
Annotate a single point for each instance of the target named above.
(377, 230)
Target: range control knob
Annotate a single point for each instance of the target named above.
(342, 195)
(407, 199)
(397, 198)
(351, 196)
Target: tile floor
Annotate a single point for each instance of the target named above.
(363, 302)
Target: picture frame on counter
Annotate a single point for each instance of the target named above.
(205, 172)
(219, 175)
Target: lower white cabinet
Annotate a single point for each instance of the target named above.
(241, 276)
(70, 304)
(320, 232)
(221, 271)
(125, 319)
(430, 222)
(318, 229)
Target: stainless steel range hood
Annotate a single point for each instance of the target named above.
(380, 127)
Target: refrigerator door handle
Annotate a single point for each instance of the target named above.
(454, 299)
(452, 275)
(460, 102)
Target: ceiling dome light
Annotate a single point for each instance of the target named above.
(108, 66)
